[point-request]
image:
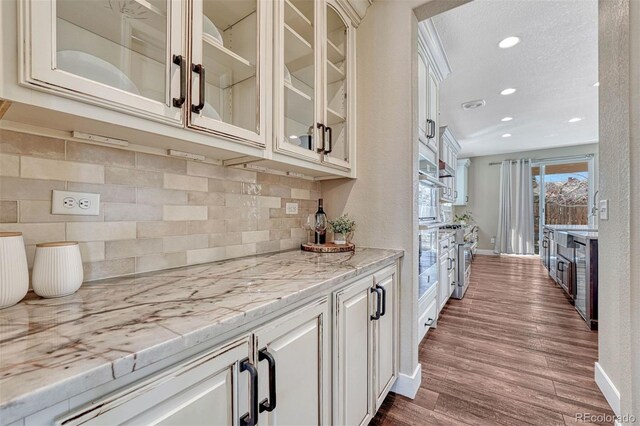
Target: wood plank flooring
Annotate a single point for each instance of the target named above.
(512, 352)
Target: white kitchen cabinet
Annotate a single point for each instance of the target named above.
(124, 58)
(452, 268)
(443, 281)
(462, 182)
(365, 347)
(211, 389)
(227, 73)
(385, 336)
(449, 149)
(314, 82)
(294, 368)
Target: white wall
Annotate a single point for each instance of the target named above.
(619, 250)
(484, 183)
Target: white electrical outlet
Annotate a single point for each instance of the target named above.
(291, 208)
(604, 209)
(493, 240)
(75, 203)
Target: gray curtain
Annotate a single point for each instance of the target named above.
(515, 210)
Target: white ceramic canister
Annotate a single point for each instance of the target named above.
(57, 269)
(14, 272)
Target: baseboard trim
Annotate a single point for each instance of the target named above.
(485, 252)
(607, 388)
(407, 385)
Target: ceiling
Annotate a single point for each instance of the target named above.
(553, 69)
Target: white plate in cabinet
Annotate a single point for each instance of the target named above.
(314, 109)
(208, 390)
(228, 81)
(122, 59)
(294, 368)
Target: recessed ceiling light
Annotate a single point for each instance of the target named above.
(473, 104)
(507, 119)
(509, 42)
(575, 120)
(506, 135)
(293, 137)
(508, 91)
(596, 84)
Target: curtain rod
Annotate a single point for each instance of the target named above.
(542, 160)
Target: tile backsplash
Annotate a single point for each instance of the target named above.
(156, 212)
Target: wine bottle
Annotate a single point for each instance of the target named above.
(321, 218)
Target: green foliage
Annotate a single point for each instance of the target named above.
(342, 224)
(465, 217)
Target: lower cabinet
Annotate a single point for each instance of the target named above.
(443, 281)
(280, 373)
(365, 347)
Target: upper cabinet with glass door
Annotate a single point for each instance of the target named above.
(125, 54)
(314, 45)
(229, 57)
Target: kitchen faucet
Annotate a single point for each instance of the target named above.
(594, 206)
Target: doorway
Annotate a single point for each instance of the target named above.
(563, 191)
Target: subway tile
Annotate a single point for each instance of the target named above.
(31, 254)
(24, 143)
(132, 248)
(252, 188)
(225, 239)
(217, 185)
(205, 226)
(185, 242)
(138, 178)
(267, 246)
(108, 193)
(206, 198)
(9, 165)
(241, 200)
(246, 213)
(299, 233)
(267, 178)
(154, 262)
(185, 213)
(195, 168)
(212, 254)
(92, 251)
(160, 229)
(88, 153)
(269, 202)
(300, 194)
(34, 233)
(27, 189)
(290, 244)
(160, 163)
(281, 234)
(241, 250)
(8, 211)
(131, 212)
(40, 168)
(255, 236)
(186, 183)
(232, 187)
(277, 191)
(109, 268)
(238, 225)
(160, 196)
(240, 175)
(34, 211)
(101, 231)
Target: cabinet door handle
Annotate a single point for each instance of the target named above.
(199, 69)
(455, 194)
(433, 131)
(251, 418)
(328, 129)
(559, 268)
(376, 316)
(323, 131)
(270, 403)
(429, 135)
(545, 244)
(384, 300)
(179, 61)
(453, 283)
(429, 322)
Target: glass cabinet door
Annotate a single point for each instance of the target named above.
(336, 104)
(118, 53)
(297, 78)
(226, 75)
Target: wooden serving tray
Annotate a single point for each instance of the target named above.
(328, 248)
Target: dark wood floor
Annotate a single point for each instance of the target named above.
(513, 351)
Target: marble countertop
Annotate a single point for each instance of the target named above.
(584, 235)
(53, 349)
(571, 227)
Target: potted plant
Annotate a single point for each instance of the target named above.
(343, 228)
(464, 219)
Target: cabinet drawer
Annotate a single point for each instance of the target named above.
(428, 319)
(445, 245)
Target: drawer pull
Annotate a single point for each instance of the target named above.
(429, 322)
